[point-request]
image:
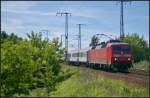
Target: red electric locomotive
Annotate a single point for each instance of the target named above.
(113, 55)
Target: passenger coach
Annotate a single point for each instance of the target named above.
(78, 57)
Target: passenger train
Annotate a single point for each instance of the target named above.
(113, 55)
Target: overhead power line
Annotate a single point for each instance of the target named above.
(66, 31)
(122, 35)
(79, 36)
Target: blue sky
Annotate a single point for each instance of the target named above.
(22, 17)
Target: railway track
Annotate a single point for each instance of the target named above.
(131, 71)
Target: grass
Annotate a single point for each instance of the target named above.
(86, 84)
(144, 65)
(82, 83)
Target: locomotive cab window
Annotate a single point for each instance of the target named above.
(69, 55)
(121, 48)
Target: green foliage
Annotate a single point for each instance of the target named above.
(28, 64)
(16, 67)
(3, 35)
(64, 74)
(12, 36)
(143, 65)
(139, 46)
(94, 41)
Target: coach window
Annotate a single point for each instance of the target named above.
(69, 55)
(72, 55)
(75, 54)
(83, 54)
(80, 54)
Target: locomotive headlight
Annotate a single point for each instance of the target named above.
(129, 59)
(115, 59)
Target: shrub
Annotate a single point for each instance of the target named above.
(28, 64)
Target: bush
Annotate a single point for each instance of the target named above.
(17, 65)
(28, 64)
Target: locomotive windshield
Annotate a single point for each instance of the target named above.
(121, 48)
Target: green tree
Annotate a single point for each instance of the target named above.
(4, 35)
(35, 38)
(139, 46)
(17, 66)
(57, 46)
(94, 42)
(28, 64)
(47, 60)
(12, 37)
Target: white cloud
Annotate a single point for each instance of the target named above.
(22, 7)
(30, 12)
(17, 5)
(16, 22)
